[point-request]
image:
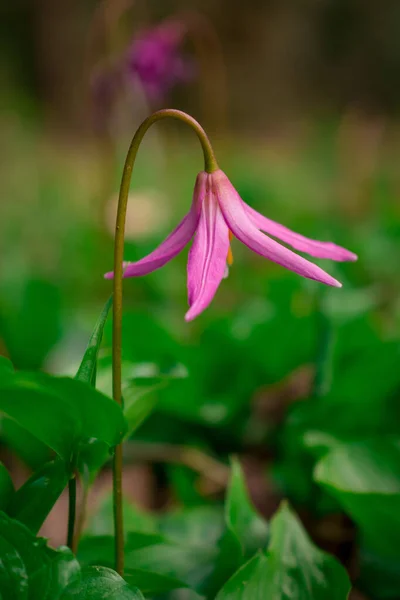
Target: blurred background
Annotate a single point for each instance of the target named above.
(301, 100)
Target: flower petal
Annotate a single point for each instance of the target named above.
(239, 223)
(207, 256)
(298, 241)
(173, 244)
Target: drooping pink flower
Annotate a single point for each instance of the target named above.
(155, 58)
(217, 214)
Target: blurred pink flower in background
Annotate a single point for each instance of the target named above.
(217, 214)
(155, 58)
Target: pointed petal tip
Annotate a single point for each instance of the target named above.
(189, 316)
(352, 257)
(335, 283)
(109, 275)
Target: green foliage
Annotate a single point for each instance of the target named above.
(364, 477)
(88, 367)
(229, 383)
(97, 583)
(292, 567)
(36, 497)
(68, 412)
(6, 488)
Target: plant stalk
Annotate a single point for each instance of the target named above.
(210, 165)
(71, 512)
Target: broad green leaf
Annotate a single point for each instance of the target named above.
(292, 568)
(6, 488)
(67, 412)
(35, 499)
(142, 384)
(199, 526)
(13, 575)
(29, 550)
(135, 519)
(250, 528)
(88, 366)
(64, 570)
(184, 563)
(30, 450)
(51, 422)
(152, 584)
(100, 583)
(32, 323)
(6, 367)
(379, 575)
(364, 477)
(250, 582)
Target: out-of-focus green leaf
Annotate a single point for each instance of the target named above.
(102, 521)
(364, 477)
(292, 568)
(6, 367)
(250, 528)
(6, 488)
(31, 323)
(64, 570)
(67, 412)
(100, 583)
(88, 366)
(200, 526)
(30, 450)
(34, 500)
(152, 584)
(190, 565)
(25, 570)
(379, 575)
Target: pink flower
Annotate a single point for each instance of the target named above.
(218, 213)
(156, 59)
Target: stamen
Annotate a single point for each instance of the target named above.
(229, 258)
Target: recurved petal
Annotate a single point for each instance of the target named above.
(298, 241)
(173, 244)
(207, 257)
(241, 226)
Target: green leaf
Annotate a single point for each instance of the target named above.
(6, 367)
(88, 366)
(13, 575)
(100, 583)
(29, 565)
(51, 422)
(30, 450)
(152, 584)
(250, 582)
(135, 519)
(158, 555)
(199, 526)
(64, 570)
(31, 324)
(6, 487)
(250, 528)
(68, 412)
(34, 500)
(364, 477)
(292, 568)
(141, 387)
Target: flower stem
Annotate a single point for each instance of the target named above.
(71, 512)
(210, 165)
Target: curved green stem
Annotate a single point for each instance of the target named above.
(210, 165)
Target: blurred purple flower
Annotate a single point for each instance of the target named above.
(217, 214)
(155, 59)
